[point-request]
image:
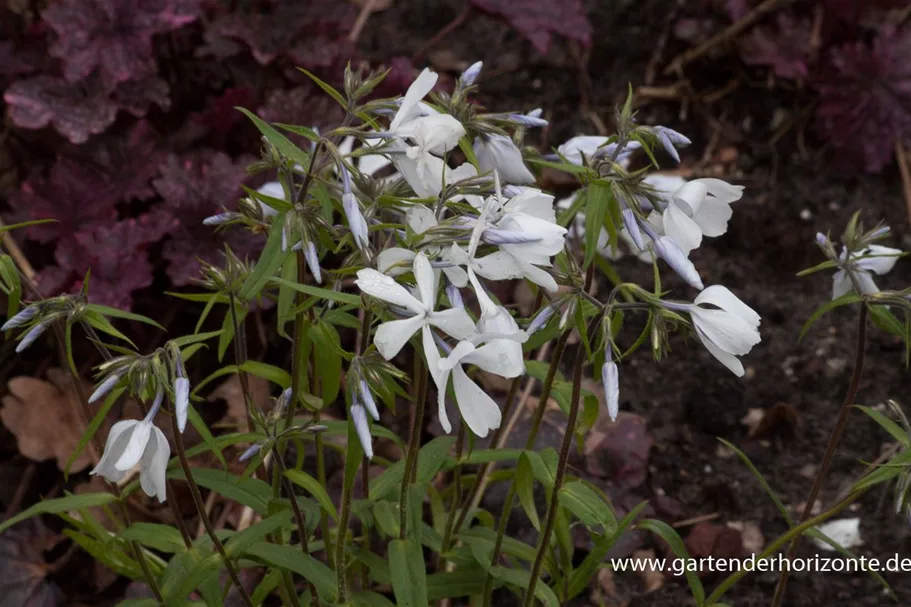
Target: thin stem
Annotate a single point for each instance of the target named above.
(832, 445)
(365, 530)
(298, 518)
(344, 515)
(414, 445)
(456, 494)
(204, 516)
(240, 357)
(551, 520)
(529, 444)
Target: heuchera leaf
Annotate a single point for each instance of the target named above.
(136, 96)
(865, 103)
(536, 20)
(785, 48)
(113, 35)
(269, 35)
(77, 110)
(220, 115)
(117, 255)
(304, 105)
(194, 187)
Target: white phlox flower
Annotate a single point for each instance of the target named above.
(701, 207)
(875, 259)
(728, 330)
(396, 261)
(132, 442)
(588, 145)
(391, 336)
(498, 153)
(496, 348)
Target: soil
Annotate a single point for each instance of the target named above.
(688, 400)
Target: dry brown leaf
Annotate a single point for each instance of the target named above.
(231, 392)
(45, 418)
(651, 578)
(751, 535)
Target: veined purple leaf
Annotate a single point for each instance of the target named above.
(537, 20)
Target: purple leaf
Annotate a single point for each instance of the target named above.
(307, 105)
(536, 20)
(221, 113)
(785, 48)
(865, 100)
(136, 96)
(77, 111)
(113, 35)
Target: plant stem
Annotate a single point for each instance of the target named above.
(456, 494)
(341, 535)
(790, 535)
(365, 530)
(298, 518)
(834, 439)
(551, 520)
(204, 516)
(414, 445)
(240, 357)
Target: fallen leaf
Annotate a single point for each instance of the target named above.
(714, 539)
(751, 536)
(619, 450)
(45, 418)
(651, 578)
(23, 569)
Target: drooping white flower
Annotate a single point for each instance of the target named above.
(496, 348)
(499, 153)
(728, 330)
(132, 442)
(701, 207)
(393, 335)
(875, 259)
(589, 145)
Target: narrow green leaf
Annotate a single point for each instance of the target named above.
(844, 300)
(242, 540)
(117, 313)
(897, 432)
(586, 505)
(327, 88)
(409, 584)
(314, 488)
(164, 538)
(246, 491)
(269, 261)
(284, 145)
(673, 539)
(269, 372)
(327, 294)
(58, 505)
(290, 558)
(596, 210)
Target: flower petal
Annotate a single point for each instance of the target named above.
(135, 447)
(728, 360)
(841, 284)
(420, 218)
(395, 261)
(500, 356)
(681, 227)
(154, 465)
(384, 287)
(713, 217)
(423, 275)
(878, 259)
(392, 336)
(454, 322)
(725, 330)
(419, 89)
(479, 411)
(117, 441)
(722, 297)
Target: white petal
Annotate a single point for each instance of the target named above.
(392, 336)
(865, 282)
(841, 284)
(681, 228)
(181, 401)
(713, 217)
(501, 356)
(419, 89)
(498, 152)
(420, 218)
(385, 288)
(395, 261)
(424, 177)
(722, 190)
(573, 149)
(723, 298)
(456, 276)
(499, 266)
(462, 349)
(725, 330)
(438, 133)
(728, 360)
(534, 202)
(882, 261)
(664, 184)
(135, 447)
(454, 321)
(479, 411)
(362, 428)
(116, 444)
(154, 466)
(426, 282)
(689, 197)
(540, 277)
(432, 356)
(486, 303)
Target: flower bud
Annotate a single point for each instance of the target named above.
(367, 398)
(22, 318)
(611, 380)
(669, 251)
(312, 259)
(471, 74)
(526, 120)
(631, 223)
(540, 319)
(30, 337)
(250, 452)
(497, 237)
(104, 387)
(221, 218)
(181, 401)
(362, 427)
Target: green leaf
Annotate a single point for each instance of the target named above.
(431, 458)
(521, 578)
(328, 360)
(540, 469)
(290, 558)
(108, 554)
(246, 491)
(164, 538)
(58, 505)
(242, 540)
(897, 432)
(327, 88)
(826, 265)
(188, 340)
(101, 323)
(25, 224)
(370, 599)
(409, 584)
(204, 570)
(596, 210)
(669, 535)
(462, 582)
(587, 505)
(314, 488)
(844, 300)
(327, 294)
(269, 261)
(284, 145)
(269, 372)
(486, 456)
(524, 485)
(118, 313)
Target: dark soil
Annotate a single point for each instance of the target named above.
(688, 399)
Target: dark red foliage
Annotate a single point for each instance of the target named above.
(23, 568)
(136, 96)
(221, 115)
(538, 19)
(113, 35)
(277, 33)
(305, 105)
(76, 110)
(785, 48)
(865, 101)
(194, 187)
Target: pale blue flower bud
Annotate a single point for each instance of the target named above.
(369, 403)
(611, 380)
(498, 237)
(454, 296)
(668, 138)
(525, 120)
(181, 401)
(221, 218)
(880, 232)
(284, 239)
(362, 427)
(30, 337)
(669, 251)
(104, 387)
(632, 226)
(821, 239)
(540, 320)
(471, 74)
(250, 452)
(22, 318)
(535, 113)
(356, 222)
(312, 259)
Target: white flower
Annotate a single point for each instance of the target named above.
(610, 377)
(499, 153)
(362, 428)
(701, 207)
(396, 261)
(587, 145)
(181, 401)
(368, 164)
(272, 189)
(132, 442)
(729, 330)
(501, 353)
(393, 335)
(874, 259)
